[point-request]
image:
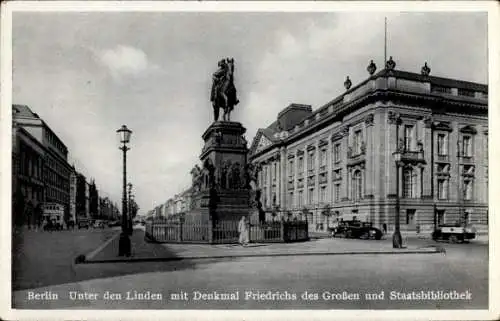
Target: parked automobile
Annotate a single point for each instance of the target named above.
(114, 223)
(83, 223)
(454, 233)
(357, 229)
(98, 224)
(52, 225)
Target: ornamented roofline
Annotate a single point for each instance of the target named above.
(393, 85)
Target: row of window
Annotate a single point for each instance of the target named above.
(54, 141)
(411, 217)
(442, 149)
(56, 179)
(30, 164)
(466, 186)
(409, 190)
(57, 195)
(465, 146)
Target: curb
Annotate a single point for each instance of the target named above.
(82, 258)
(166, 259)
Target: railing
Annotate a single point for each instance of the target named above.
(223, 232)
(442, 158)
(413, 156)
(466, 92)
(441, 89)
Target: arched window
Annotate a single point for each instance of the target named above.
(357, 186)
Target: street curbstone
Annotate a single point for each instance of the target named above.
(235, 256)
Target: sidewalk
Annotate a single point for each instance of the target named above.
(143, 251)
(481, 236)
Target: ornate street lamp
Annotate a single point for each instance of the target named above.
(124, 247)
(396, 237)
(129, 207)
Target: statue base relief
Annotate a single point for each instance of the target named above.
(224, 193)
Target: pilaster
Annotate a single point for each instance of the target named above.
(283, 181)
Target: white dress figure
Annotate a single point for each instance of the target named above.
(243, 230)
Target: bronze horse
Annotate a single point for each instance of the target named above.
(223, 90)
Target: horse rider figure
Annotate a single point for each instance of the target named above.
(223, 94)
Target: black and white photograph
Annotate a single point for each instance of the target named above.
(184, 157)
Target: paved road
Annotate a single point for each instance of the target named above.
(42, 258)
(463, 269)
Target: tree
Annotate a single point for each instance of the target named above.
(134, 208)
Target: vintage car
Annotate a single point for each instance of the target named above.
(454, 233)
(357, 229)
(84, 223)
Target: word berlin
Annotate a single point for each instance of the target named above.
(430, 295)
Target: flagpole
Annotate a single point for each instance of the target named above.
(385, 41)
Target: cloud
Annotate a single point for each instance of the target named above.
(125, 61)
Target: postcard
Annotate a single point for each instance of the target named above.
(249, 160)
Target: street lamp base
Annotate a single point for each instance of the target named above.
(397, 240)
(124, 245)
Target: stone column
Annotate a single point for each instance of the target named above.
(369, 181)
(454, 138)
(295, 178)
(329, 171)
(317, 152)
(346, 175)
(283, 178)
(270, 183)
(393, 136)
(427, 140)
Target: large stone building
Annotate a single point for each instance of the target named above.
(337, 161)
(28, 188)
(56, 170)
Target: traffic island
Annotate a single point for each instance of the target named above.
(143, 251)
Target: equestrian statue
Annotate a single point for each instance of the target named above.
(223, 94)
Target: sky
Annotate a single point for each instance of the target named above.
(88, 73)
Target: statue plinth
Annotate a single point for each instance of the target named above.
(224, 191)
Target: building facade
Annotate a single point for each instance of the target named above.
(82, 209)
(28, 187)
(72, 194)
(338, 161)
(56, 170)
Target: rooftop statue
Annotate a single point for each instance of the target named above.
(223, 94)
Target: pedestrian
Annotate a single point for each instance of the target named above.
(384, 227)
(243, 230)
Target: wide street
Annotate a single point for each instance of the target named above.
(252, 281)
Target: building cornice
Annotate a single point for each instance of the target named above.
(384, 92)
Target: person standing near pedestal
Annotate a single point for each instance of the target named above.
(243, 230)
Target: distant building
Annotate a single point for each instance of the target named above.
(81, 197)
(56, 170)
(93, 200)
(72, 194)
(337, 161)
(87, 199)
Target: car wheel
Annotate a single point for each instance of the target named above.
(365, 236)
(348, 234)
(453, 239)
(378, 237)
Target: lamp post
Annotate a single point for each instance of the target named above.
(124, 247)
(129, 208)
(396, 237)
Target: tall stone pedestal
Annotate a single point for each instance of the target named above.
(223, 192)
